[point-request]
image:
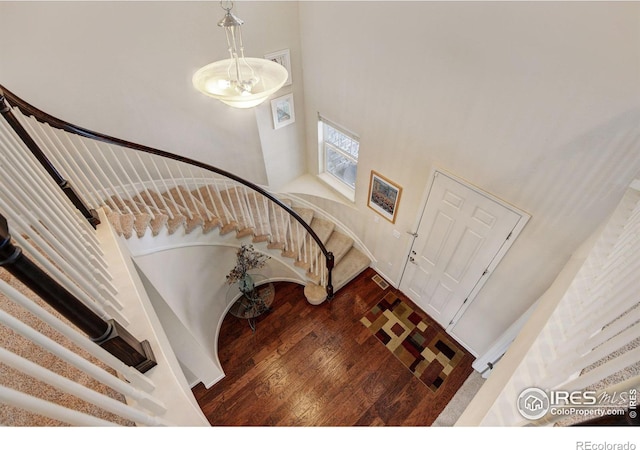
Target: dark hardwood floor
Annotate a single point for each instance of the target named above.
(319, 366)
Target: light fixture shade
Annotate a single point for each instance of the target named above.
(217, 80)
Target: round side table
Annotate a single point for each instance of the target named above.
(252, 305)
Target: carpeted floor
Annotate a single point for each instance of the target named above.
(454, 409)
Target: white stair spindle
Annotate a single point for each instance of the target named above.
(165, 208)
(124, 192)
(62, 246)
(51, 410)
(132, 375)
(23, 190)
(173, 179)
(81, 179)
(140, 397)
(82, 392)
(199, 194)
(76, 284)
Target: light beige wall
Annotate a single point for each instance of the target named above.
(124, 68)
(536, 102)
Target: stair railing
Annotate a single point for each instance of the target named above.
(47, 245)
(144, 187)
(582, 341)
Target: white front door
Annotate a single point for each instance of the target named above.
(461, 231)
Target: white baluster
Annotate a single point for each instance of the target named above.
(78, 390)
(51, 410)
(132, 375)
(140, 397)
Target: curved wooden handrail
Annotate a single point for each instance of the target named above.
(41, 116)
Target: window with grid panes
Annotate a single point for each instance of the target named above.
(339, 153)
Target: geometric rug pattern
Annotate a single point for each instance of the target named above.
(427, 352)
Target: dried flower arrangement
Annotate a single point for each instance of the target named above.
(248, 259)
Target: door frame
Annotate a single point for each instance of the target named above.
(517, 229)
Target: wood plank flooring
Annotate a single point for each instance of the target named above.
(319, 366)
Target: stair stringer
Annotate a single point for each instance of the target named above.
(149, 244)
(141, 241)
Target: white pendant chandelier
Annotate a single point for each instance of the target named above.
(238, 81)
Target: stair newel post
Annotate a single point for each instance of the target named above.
(108, 334)
(5, 110)
(330, 263)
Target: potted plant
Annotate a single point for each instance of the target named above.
(247, 259)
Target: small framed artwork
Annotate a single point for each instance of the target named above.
(384, 196)
(283, 111)
(283, 57)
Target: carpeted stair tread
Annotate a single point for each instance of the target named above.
(159, 203)
(183, 197)
(126, 225)
(351, 265)
(315, 294)
(305, 213)
(339, 244)
(259, 209)
(162, 220)
(323, 229)
(141, 218)
(296, 234)
(159, 220)
(192, 218)
(141, 222)
(236, 202)
(279, 219)
(213, 202)
(114, 218)
(247, 213)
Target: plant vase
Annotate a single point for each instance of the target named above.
(247, 286)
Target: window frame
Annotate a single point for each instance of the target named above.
(329, 178)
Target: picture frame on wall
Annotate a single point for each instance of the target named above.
(384, 196)
(282, 57)
(283, 111)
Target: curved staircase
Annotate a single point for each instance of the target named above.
(148, 190)
(61, 180)
(244, 213)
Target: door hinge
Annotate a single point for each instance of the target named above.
(486, 271)
(450, 323)
(509, 235)
(465, 300)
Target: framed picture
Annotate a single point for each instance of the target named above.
(384, 196)
(283, 57)
(282, 110)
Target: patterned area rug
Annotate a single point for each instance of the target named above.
(424, 349)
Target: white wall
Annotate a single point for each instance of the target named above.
(536, 102)
(196, 362)
(187, 283)
(124, 69)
